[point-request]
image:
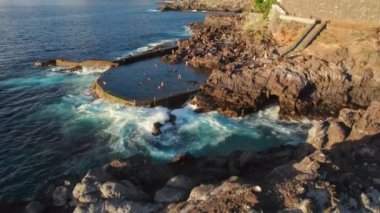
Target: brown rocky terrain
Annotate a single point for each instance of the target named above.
(206, 5)
(340, 69)
(336, 170)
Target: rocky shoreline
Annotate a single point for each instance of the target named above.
(335, 170)
(244, 78)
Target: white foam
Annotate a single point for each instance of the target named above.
(48, 79)
(128, 129)
(57, 69)
(91, 70)
(132, 126)
(188, 31)
(269, 113)
(152, 10)
(83, 71)
(149, 46)
(184, 33)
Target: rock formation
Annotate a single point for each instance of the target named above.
(244, 78)
(74, 66)
(337, 169)
(206, 5)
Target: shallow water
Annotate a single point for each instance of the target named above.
(51, 126)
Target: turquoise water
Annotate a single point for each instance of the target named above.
(51, 126)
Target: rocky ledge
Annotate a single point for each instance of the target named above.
(337, 169)
(205, 5)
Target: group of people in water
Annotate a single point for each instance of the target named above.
(162, 84)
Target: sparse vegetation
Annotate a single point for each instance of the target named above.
(263, 6)
(252, 25)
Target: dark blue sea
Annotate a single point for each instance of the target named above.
(51, 126)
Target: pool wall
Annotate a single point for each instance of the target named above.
(173, 101)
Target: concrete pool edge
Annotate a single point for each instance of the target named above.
(172, 101)
(74, 66)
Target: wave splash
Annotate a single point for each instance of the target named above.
(149, 46)
(130, 130)
(83, 71)
(186, 32)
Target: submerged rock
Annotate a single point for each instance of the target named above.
(34, 207)
(156, 130)
(61, 195)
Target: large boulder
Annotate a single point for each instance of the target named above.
(336, 133)
(125, 189)
(123, 206)
(223, 197)
(368, 124)
(201, 193)
(86, 193)
(170, 195)
(181, 181)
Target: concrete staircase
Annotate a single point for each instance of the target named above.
(305, 40)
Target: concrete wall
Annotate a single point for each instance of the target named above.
(173, 101)
(359, 11)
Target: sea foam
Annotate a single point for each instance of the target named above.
(149, 46)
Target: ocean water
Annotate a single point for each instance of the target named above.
(51, 126)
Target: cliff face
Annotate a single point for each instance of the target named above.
(208, 5)
(303, 85)
(333, 73)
